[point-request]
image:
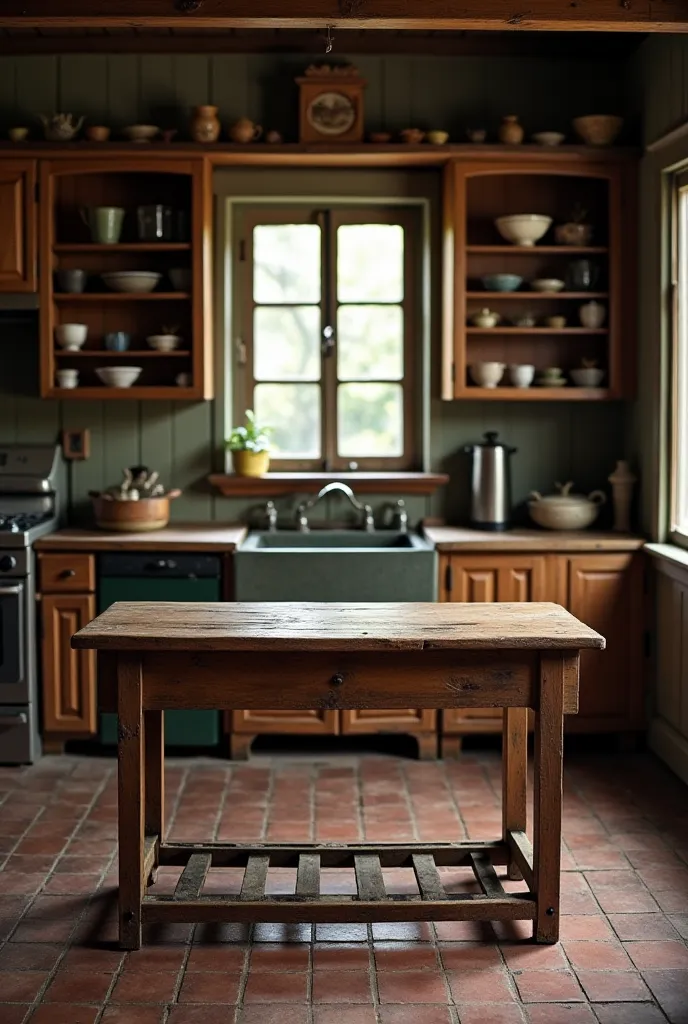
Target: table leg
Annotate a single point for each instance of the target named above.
(154, 736)
(549, 751)
(514, 776)
(130, 798)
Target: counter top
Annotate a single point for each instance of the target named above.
(178, 537)
(457, 538)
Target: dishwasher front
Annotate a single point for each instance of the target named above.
(163, 576)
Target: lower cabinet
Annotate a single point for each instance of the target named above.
(69, 677)
(603, 590)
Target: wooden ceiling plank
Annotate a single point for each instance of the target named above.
(540, 15)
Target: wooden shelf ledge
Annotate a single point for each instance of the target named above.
(275, 484)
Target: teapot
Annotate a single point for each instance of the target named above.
(60, 127)
(244, 130)
(565, 511)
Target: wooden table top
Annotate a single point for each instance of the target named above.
(217, 626)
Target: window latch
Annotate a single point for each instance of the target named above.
(327, 346)
(241, 352)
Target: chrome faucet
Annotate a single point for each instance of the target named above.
(397, 516)
(368, 521)
(271, 516)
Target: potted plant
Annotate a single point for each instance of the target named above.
(250, 447)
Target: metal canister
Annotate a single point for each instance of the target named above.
(490, 483)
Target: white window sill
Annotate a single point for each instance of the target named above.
(668, 552)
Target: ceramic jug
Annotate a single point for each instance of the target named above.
(510, 131)
(104, 222)
(60, 127)
(244, 130)
(205, 126)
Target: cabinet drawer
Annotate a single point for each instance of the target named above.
(371, 720)
(66, 573)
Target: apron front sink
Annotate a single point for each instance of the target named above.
(335, 565)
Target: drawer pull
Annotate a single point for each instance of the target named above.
(337, 680)
(67, 574)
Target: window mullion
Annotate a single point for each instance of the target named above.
(329, 358)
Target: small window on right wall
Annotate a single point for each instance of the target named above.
(679, 368)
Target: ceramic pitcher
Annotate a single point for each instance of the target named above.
(244, 130)
(104, 222)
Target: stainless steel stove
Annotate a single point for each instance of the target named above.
(31, 485)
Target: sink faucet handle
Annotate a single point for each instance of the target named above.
(271, 516)
(397, 516)
(368, 519)
(302, 519)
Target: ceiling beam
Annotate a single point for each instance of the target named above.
(536, 15)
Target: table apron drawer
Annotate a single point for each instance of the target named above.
(330, 681)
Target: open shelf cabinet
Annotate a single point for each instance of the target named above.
(67, 186)
(476, 193)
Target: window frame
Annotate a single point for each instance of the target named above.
(679, 359)
(331, 215)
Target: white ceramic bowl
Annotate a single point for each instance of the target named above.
(587, 377)
(134, 281)
(118, 376)
(549, 138)
(547, 284)
(181, 279)
(164, 342)
(523, 228)
(67, 378)
(521, 374)
(486, 375)
(141, 132)
(71, 336)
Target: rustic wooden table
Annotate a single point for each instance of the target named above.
(156, 657)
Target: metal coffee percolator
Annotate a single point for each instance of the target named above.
(490, 483)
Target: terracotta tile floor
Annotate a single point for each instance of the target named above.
(623, 958)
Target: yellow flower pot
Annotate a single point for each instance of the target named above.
(247, 463)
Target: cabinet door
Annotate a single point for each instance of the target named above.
(299, 722)
(488, 577)
(69, 677)
(393, 720)
(17, 226)
(605, 592)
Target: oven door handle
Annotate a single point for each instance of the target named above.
(20, 719)
(11, 590)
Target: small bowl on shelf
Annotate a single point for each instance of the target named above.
(18, 134)
(117, 341)
(67, 378)
(526, 320)
(557, 323)
(523, 228)
(136, 282)
(71, 281)
(521, 374)
(97, 133)
(140, 132)
(180, 278)
(547, 284)
(164, 342)
(587, 376)
(380, 138)
(485, 318)
(548, 138)
(551, 377)
(501, 282)
(71, 337)
(598, 129)
(437, 137)
(486, 375)
(118, 376)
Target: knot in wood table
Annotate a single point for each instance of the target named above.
(157, 657)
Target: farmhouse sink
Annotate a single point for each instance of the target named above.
(335, 565)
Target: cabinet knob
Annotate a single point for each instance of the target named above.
(67, 574)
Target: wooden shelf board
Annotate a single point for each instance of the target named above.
(534, 250)
(536, 394)
(273, 484)
(537, 295)
(122, 247)
(146, 353)
(535, 330)
(77, 297)
(151, 392)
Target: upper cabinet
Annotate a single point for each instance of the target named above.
(125, 278)
(18, 226)
(538, 265)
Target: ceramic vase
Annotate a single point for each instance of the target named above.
(205, 125)
(592, 315)
(622, 481)
(510, 131)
